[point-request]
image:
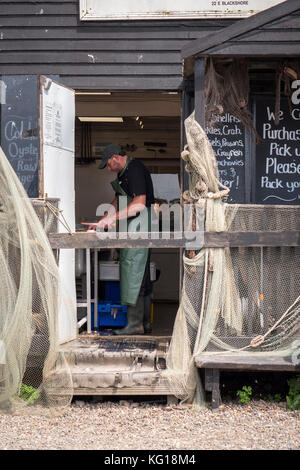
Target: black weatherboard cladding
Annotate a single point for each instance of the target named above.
(42, 38)
(272, 32)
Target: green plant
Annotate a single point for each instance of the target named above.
(29, 393)
(244, 394)
(276, 398)
(293, 398)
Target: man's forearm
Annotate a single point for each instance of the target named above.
(136, 206)
(112, 210)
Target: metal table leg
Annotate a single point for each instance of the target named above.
(88, 290)
(95, 288)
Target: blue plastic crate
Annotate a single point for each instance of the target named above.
(105, 317)
(112, 290)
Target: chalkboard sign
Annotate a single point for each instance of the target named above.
(228, 140)
(278, 156)
(19, 129)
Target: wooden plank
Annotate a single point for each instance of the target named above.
(270, 36)
(249, 49)
(94, 69)
(252, 239)
(73, 20)
(91, 56)
(33, 8)
(241, 27)
(39, 20)
(290, 22)
(238, 362)
(211, 240)
(82, 35)
(138, 390)
(97, 45)
(142, 82)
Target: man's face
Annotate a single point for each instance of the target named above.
(113, 164)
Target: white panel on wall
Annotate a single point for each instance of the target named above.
(174, 9)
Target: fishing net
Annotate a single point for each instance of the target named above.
(234, 300)
(227, 91)
(33, 371)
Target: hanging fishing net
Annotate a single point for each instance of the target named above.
(33, 372)
(234, 300)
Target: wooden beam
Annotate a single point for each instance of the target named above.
(84, 240)
(199, 75)
(201, 45)
(264, 49)
(132, 82)
(91, 69)
(134, 107)
(236, 362)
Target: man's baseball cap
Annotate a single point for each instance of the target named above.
(108, 152)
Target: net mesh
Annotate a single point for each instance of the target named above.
(234, 300)
(33, 371)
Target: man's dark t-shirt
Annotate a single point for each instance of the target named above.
(136, 181)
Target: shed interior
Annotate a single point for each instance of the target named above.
(148, 125)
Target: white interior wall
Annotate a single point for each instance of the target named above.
(92, 188)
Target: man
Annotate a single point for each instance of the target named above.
(134, 183)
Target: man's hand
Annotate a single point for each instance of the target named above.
(104, 223)
(92, 228)
(136, 206)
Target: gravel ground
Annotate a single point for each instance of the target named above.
(129, 425)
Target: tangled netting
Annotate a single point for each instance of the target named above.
(33, 371)
(234, 300)
(227, 91)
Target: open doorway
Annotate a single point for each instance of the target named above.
(148, 126)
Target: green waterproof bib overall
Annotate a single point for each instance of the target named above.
(132, 260)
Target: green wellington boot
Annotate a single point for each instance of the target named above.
(135, 315)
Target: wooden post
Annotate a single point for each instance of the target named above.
(199, 75)
(187, 109)
(215, 389)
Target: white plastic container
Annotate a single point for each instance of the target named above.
(110, 271)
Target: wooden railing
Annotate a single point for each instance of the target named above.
(79, 240)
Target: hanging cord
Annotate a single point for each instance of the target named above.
(260, 339)
(58, 214)
(219, 194)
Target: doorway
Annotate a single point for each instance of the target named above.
(148, 126)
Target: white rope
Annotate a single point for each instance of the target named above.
(57, 213)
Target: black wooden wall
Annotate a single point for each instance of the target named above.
(284, 31)
(47, 37)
